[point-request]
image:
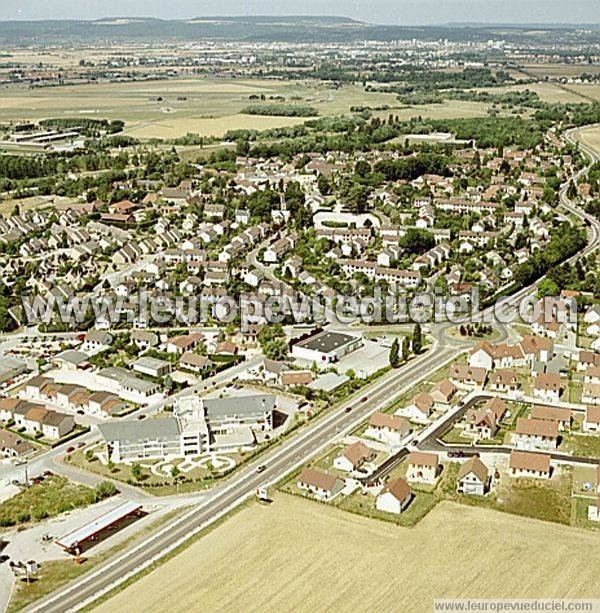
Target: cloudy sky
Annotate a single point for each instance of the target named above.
(375, 11)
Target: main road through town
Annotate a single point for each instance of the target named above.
(281, 460)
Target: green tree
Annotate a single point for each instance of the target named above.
(394, 354)
(105, 489)
(276, 349)
(405, 349)
(136, 471)
(547, 287)
(417, 339)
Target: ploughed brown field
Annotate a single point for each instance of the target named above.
(298, 555)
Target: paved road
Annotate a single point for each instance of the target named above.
(279, 462)
(432, 443)
(50, 460)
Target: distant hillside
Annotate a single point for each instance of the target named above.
(258, 29)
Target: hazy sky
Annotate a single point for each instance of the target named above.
(375, 11)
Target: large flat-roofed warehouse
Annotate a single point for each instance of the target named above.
(326, 347)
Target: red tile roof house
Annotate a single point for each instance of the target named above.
(423, 467)
(504, 381)
(353, 457)
(560, 415)
(483, 422)
(419, 409)
(592, 375)
(443, 393)
(591, 393)
(587, 359)
(473, 478)
(463, 375)
(527, 464)
(591, 422)
(488, 356)
(321, 485)
(181, 344)
(533, 434)
(394, 497)
(547, 386)
(387, 428)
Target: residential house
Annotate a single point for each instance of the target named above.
(353, 457)
(504, 380)
(533, 434)
(12, 446)
(183, 343)
(547, 386)
(200, 364)
(395, 497)
(144, 339)
(528, 464)
(292, 378)
(68, 394)
(443, 393)
(483, 423)
(591, 393)
(388, 428)
(562, 416)
(55, 425)
(419, 409)
(321, 485)
(591, 422)
(473, 477)
(464, 375)
(423, 467)
(103, 404)
(96, 341)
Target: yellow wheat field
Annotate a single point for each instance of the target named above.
(301, 556)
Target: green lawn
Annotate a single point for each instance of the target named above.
(580, 513)
(55, 495)
(196, 479)
(420, 505)
(585, 445)
(540, 499)
(455, 435)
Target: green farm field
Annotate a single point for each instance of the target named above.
(207, 107)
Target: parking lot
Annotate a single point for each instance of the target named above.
(370, 358)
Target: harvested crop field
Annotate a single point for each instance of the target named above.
(298, 555)
(171, 108)
(591, 137)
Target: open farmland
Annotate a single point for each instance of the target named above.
(591, 137)
(557, 71)
(172, 108)
(551, 92)
(302, 556)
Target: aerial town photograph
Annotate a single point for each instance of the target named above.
(299, 306)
